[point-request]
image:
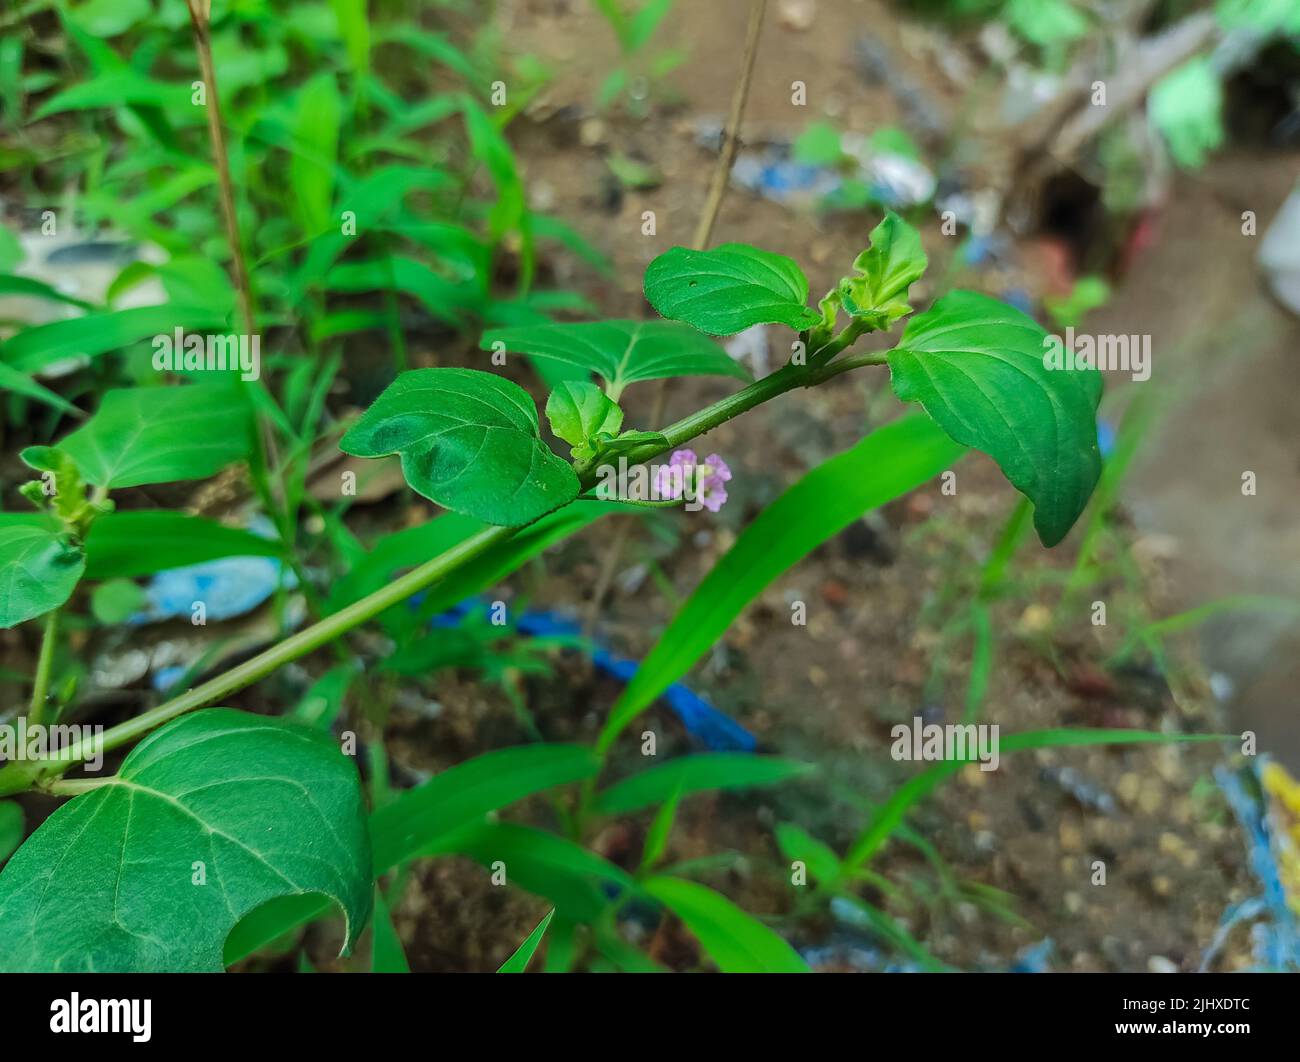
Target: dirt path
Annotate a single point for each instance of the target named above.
(1232, 355)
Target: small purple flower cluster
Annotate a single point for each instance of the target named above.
(709, 478)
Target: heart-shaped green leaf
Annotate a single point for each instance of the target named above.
(161, 434)
(729, 289)
(577, 410)
(208, 819)
(621, 352)
(977, 366)
(39, 569)
(469, 441)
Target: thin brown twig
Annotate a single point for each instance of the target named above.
(201, 19)
(731, 132)
(703, 232)
(200, 12)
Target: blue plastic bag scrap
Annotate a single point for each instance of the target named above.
(1266, 801)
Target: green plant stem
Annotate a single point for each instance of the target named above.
(338, 624)
(293, 647)
(703, 232)
(857, 361)
(73, 786)
(41, 683)
(787, 378)
(1013, 531)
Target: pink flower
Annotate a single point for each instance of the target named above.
(671, 479)
(707, 479)
(713, 474)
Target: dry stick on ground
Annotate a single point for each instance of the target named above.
(703, 230)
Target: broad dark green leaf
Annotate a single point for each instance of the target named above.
(694, 774)
(737, 942)
(886, 464)
(577, 410)
(39, 569)
(469, 441)
(144, 541)
(207, 819)
(518, 962)
(162, 434)
(422, 818)
(976, 365)
(271, 923)
(730, 288)
(621, 352)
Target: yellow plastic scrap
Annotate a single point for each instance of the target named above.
(1284, 811)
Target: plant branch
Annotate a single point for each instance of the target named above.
(72, 786)
(703, 232)
(293, 647)
(15, 778)
(41, 683)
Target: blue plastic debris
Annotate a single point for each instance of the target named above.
(1019, 298)
(1275, 934)
(775, 176)
(1035, 958)
(773, 173)
(1105, 436)
(706, 724)
(227, 587)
